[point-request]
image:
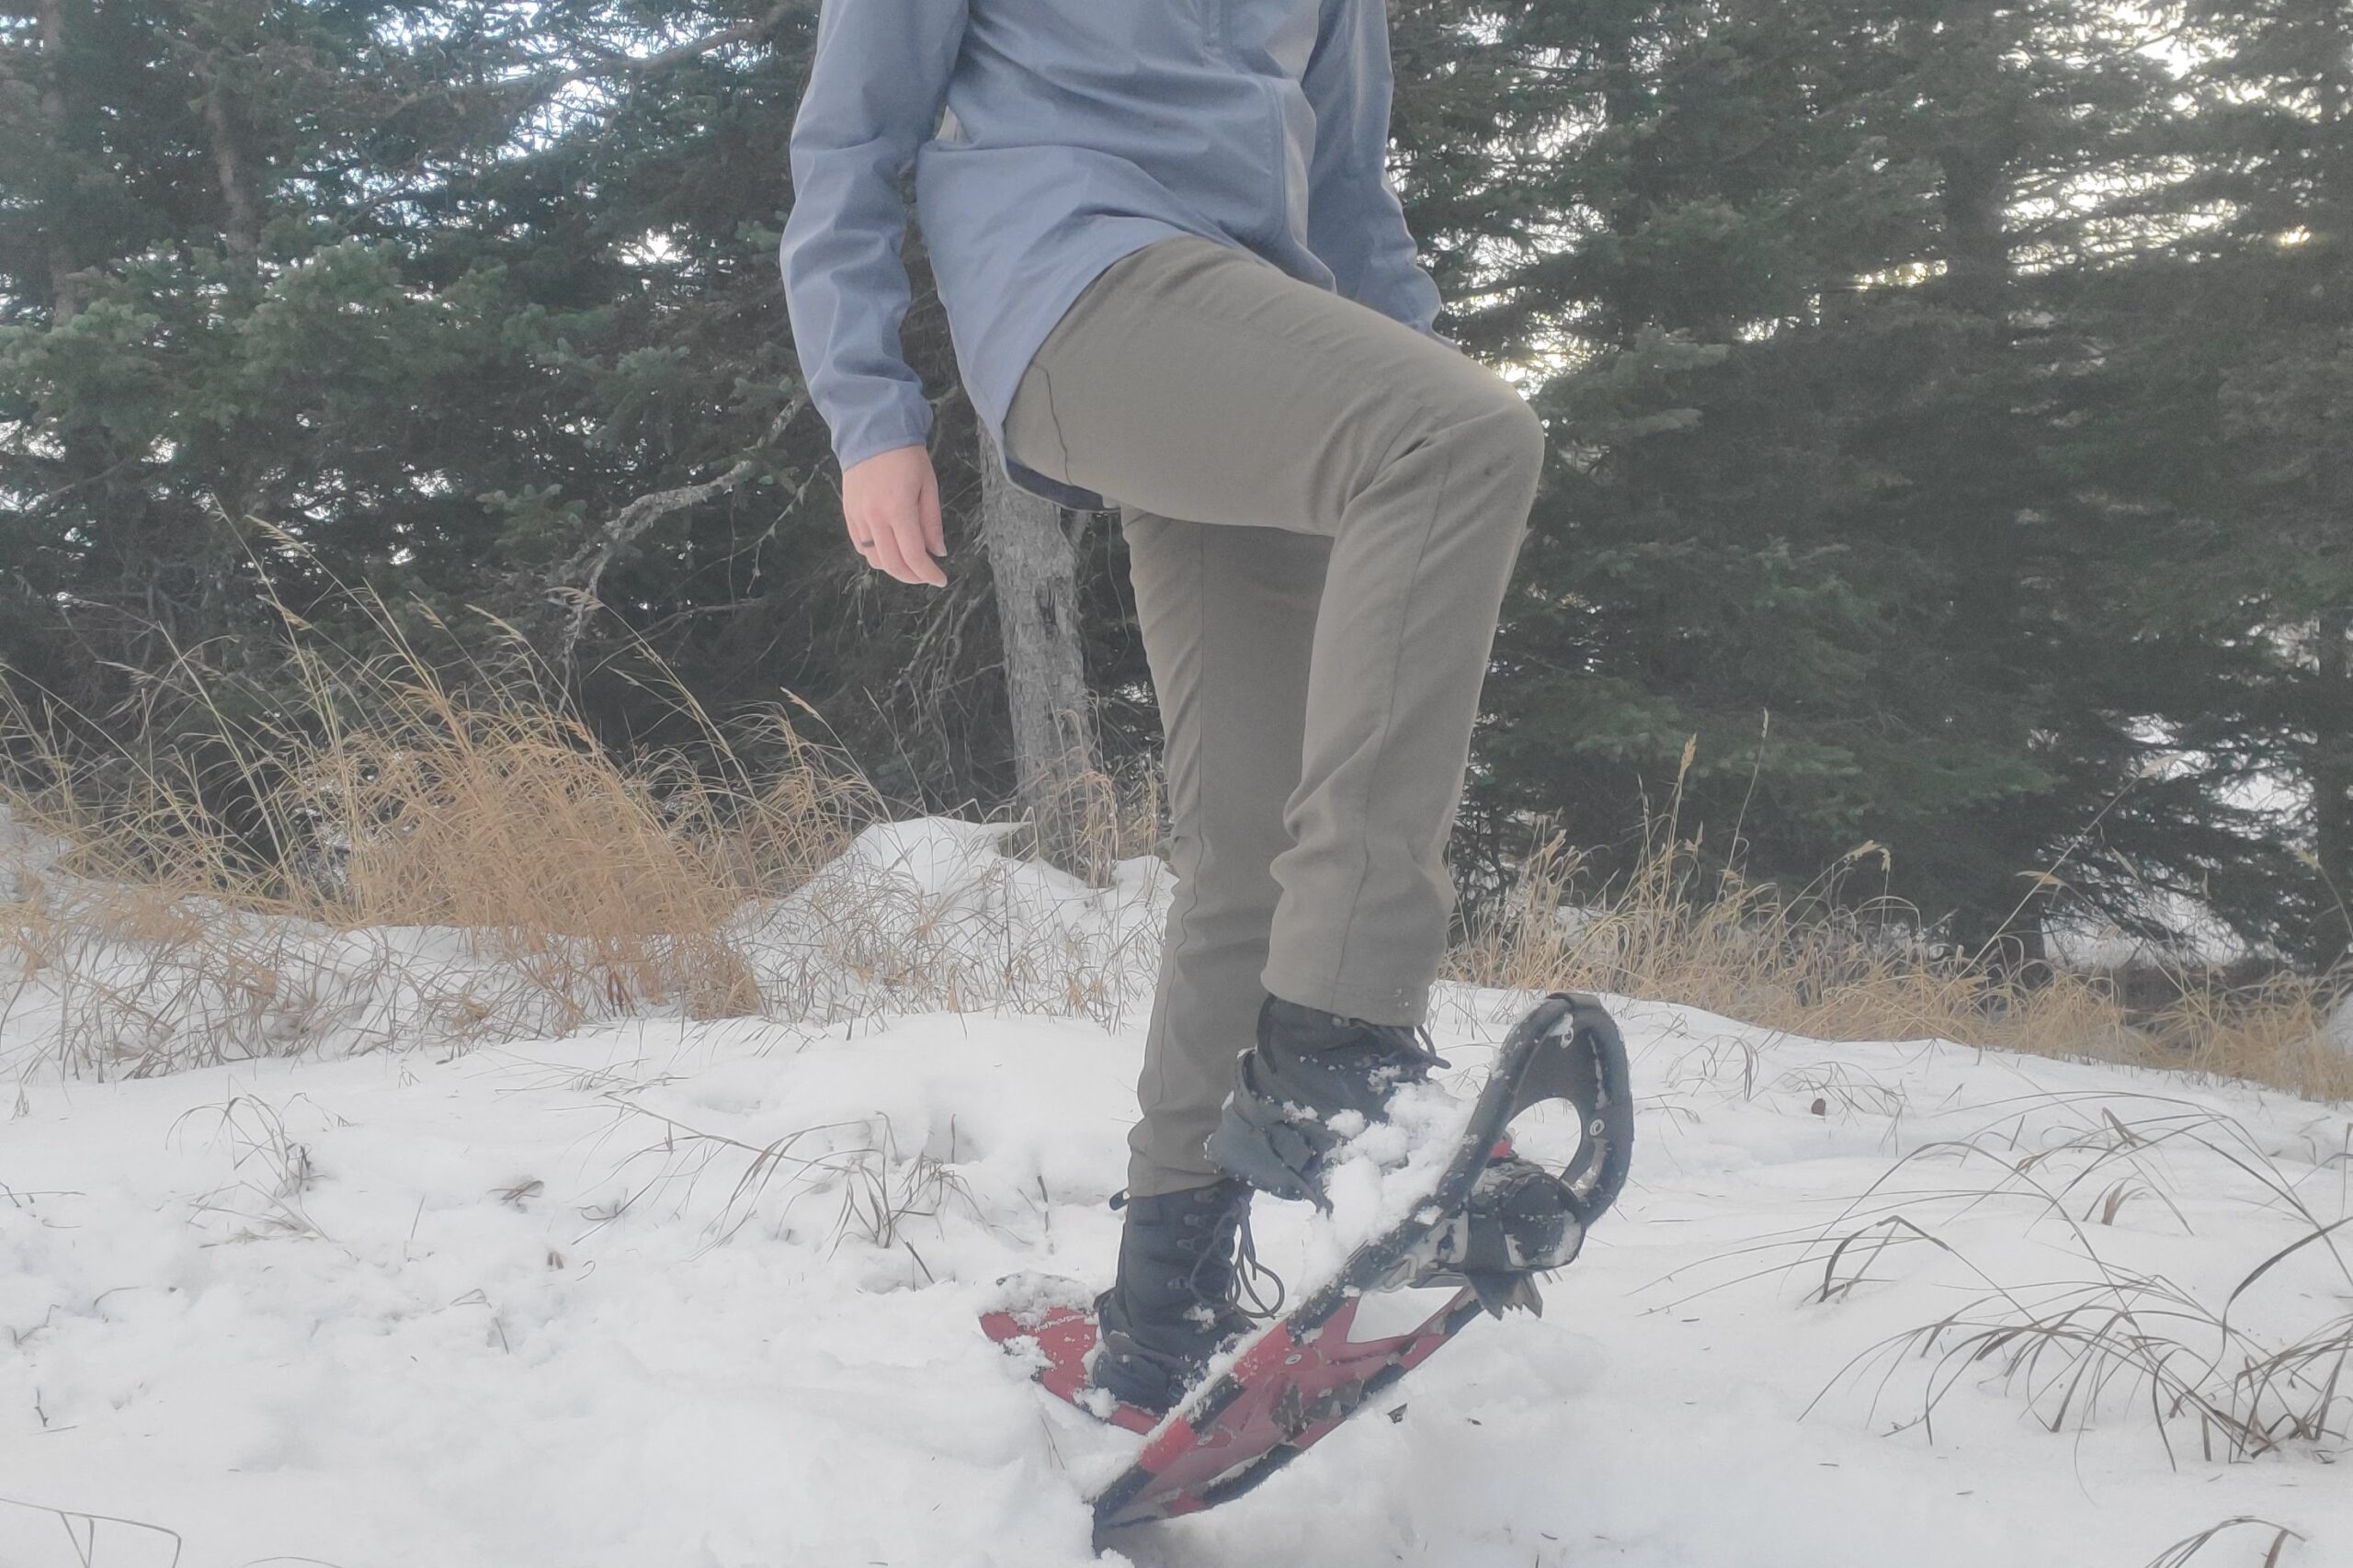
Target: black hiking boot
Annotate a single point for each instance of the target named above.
(1176, 1300)
(1313, 1082)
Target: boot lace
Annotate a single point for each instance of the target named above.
(1247, 1279)
(1411, 1045)
(1413, 1040)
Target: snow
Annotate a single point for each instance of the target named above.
(2084, 939)
(667, 1291)
(24, 855)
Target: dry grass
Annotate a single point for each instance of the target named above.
(876, 1187)
(1817, 964)
(395, 858)
(2182, 1552)
(273, 1168)
(2244, 1368)
(97, 1540)
(1100, 818)
(399, 860)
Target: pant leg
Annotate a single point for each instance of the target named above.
(1228, 616)
(1197, 381)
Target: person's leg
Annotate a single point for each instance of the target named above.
(1228, 618)
(1194, 380)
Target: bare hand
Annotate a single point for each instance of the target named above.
(891, 502)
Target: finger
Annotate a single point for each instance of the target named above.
(935, 534)
(860, 529)
(914, 549)
(887, 555)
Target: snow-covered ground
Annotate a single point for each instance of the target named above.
(704, 1294)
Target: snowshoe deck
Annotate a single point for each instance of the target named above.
(1064, 1336)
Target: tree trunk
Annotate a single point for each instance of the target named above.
(1973, 157)
(1045, 667)
(241, 210)
(2332, 780)
(2332, 757)
(64, 283)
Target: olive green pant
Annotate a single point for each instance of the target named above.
(1322, 509)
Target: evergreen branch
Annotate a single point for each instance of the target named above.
(720, 40)
(538, 89)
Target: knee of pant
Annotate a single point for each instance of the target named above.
(1492, 426)
(1528, 437)
(1518, 436)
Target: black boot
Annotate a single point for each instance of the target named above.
(1176, 1301)
(1310, 1068)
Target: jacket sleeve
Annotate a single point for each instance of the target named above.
(1354, 221)
(875, 90)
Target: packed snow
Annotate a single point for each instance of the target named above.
(704, 1294)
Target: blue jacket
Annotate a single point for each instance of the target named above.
(1049, 138)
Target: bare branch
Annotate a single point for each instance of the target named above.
(576, 580)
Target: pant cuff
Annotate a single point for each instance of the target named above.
(1382, 1001)
(1147, 1177)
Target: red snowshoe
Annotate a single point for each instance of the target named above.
(1301, 1375)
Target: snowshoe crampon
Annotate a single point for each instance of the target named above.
(1489, 1225)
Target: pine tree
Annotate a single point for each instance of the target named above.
(1950, 380)
(2254, 563)
(1799, 430)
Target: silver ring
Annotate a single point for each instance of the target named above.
(863, 544)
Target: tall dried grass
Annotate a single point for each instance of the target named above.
(1817, 963)
(396, 858)
(473, 857)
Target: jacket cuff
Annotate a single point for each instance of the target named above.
(885, 431)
